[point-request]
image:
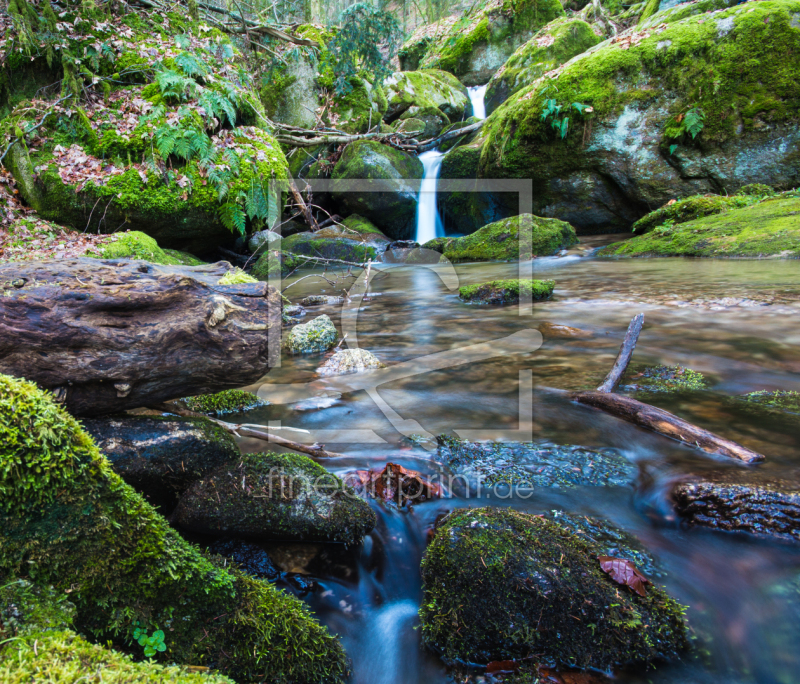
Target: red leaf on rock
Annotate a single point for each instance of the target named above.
(393, 483)
(624, 572)
(498, 666)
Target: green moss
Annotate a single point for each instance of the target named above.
(362, 226)
(506, 291)
(332, 245)
(767, 229)
(227, 401)
(272, 263)
(136, 245)
(756, 190)
(236, 277)
(316, 336)
(67, 520)
(668, 379)
(694, 61)
(689, 209)
(555, 44)
(779, 400)
(499, 584)
(287, 496)
(429, 94)
(26, 608)
(500, 241)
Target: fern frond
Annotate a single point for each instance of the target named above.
(233, 218)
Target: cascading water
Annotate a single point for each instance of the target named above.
(429, 225)
(476, 95)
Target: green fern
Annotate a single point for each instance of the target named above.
(694, 121)
(233, 217)
(190, 65)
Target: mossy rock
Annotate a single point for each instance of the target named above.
(447, 145)
(412, 92)
(410, 125)
(358, 224)
(330, 243)
(500, 241)
(357, 110)
(667, 379)
(227, 401)
(632, 150)
(67, 520)
(500, 585)
(345, 361)
(776, 401)
(316, 336)
(475, 45)
(691, 208)
(506, 291)
(552, 46)
(276, 497)
(395, 177)
(767, 229)
(136, 245)
(160, 457)
(273, 263)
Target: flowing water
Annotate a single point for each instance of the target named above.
(476, 95)
(735, 321)
(429, 224)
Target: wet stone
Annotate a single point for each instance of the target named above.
(535, 465)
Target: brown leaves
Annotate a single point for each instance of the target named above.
(393, 484)
(624, 572)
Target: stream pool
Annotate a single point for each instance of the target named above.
(735, 321)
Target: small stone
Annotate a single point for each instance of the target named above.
(349, 361)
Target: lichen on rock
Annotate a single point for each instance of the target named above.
(506, 291)
(316, 336)
(346, 361)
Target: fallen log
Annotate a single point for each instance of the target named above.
(651, 417)
(109, 335)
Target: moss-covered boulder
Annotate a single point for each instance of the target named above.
(506, 291)
(276, 263)
(691, 208)
(775, 401)
(379, 183)
(502, 585)
(316, 336)
(767, 229)
(447, 145)
(67, 520)
(342, 243)
(227, 401)
(276, 496)
(500, 241)
(136, 245)
(160, 457)
(667, 112)
(434, 97)
(475, 45)
(37, 644)
(556, 43)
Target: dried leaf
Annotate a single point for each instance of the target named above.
(624, 572)
(393, 483)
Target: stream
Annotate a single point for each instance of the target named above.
(735, 321)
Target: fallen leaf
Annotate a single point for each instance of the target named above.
(624, 572)
(393, 483)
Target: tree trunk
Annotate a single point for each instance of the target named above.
(108, 335)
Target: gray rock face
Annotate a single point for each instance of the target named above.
(299, 101)
(162, 457)
(275, 496)
(430, 93)
(741, 502)
(260, 240)
(347, 361)
(381, 184)
(318, 335)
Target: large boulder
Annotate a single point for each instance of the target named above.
(394, 177)
(475, 45)
(556, 43)
(340, 242)
(434, 97)
(67, 520)
(500, 241)
(276, 496)
(160, 457)
(672, 111)
(502, 585)
(767, 229)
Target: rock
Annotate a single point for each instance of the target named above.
(318, 335)
(506, 291)
(556, 331)
(227, 401)
(394, 484)
(261, 240)
(554, 44)
(779, 401)
(346, 361)
(136, 245)
(513, 464)
(294, 311)
(411, 125)
(375, 165)
(275, 264)
(160, 457)
(355, 112)
(474, 46)
(447, 145)
(501, 585)
(766, 229)
(295, 103)
(249, 556)
(321, 300)
(633, 150)
(275, 496)
(82, 529)
(740, 501)
(434, 97)
(331, 243)
(690, 208)
(500, 241)
(418, 255)
(667, 379)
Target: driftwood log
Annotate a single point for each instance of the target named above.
(651, 417)
(110, 335)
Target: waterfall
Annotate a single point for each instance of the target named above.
(476, 95)
(429, 225)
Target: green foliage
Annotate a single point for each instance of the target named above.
(559, 121)
(366, 42)
(668, 379)
(236, 277)
(506, 291)
(152, 644)
(785, 401)
(227, 401)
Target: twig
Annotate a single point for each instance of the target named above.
(624, 356)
